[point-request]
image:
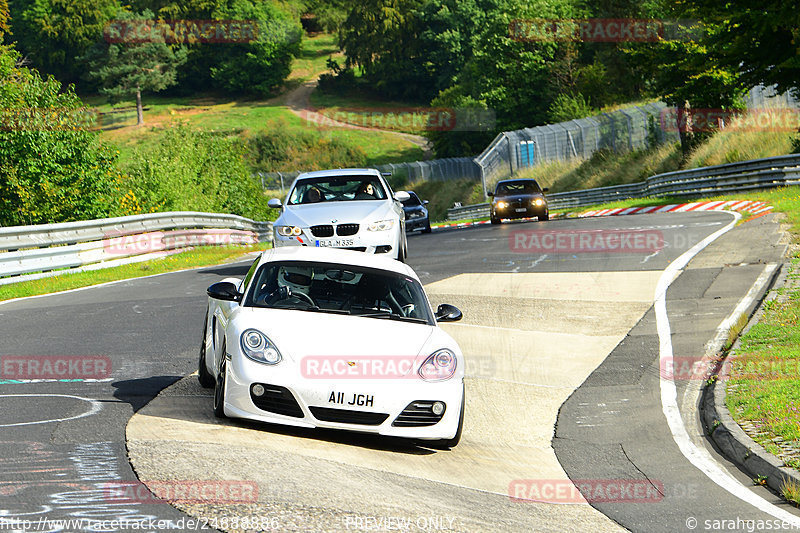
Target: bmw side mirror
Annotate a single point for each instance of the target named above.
(224, 291)
(424, 202)
(402, 196)
(489, 193)
(275, 203)
(448, 313)
(546, 189)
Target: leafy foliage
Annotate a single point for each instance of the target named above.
(52, 34)
(192, 170)
(52, 168)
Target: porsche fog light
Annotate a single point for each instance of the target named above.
(259, 348)
(438, 366)
(438, 408)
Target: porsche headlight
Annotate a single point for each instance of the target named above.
(381, 225)
(439, 366)
(259, 348)
(288, 231)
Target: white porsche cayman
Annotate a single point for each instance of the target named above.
(329, 338)
(346, 208)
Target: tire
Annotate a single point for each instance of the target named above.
(494, 220)
(219, 387)
(402, 252)
(544, 217)
(444, 444)
(203, 375)
(427, 228)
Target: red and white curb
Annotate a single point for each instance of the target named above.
(750, 206)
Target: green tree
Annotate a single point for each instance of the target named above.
(52, 34)
(4, 18)
(52, 168)
(127, 68)
(760, 43)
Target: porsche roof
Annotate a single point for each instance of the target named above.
(337, 256)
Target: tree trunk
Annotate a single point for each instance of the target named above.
(139, 111)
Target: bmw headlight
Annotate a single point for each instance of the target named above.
(439, 366)
(381, 225)
(259, 348)
(538, 202)
(288, 231)
(501, 205)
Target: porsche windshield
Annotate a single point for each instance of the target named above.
(337, 189)
(340, 289)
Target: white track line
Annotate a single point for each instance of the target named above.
(698, 456)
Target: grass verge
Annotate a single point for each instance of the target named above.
(198, 257)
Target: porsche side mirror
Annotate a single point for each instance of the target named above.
(448, 313)
(224, 291)
(275, 203)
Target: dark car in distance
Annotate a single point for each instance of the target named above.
(518, 198)
(416, 214)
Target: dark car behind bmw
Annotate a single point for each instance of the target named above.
(519, 198)
(416, 214)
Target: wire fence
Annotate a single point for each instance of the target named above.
(452, 168)
(632, 128)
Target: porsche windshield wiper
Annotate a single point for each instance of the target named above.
(391, 316)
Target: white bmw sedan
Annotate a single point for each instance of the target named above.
(346, 208)
(331, 339)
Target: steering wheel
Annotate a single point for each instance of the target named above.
(284, 293)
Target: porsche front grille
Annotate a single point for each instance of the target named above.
(417, 414)
(344, 416)
(278, 400)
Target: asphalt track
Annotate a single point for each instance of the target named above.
(544, 331)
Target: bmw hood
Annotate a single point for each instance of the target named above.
(355, 211)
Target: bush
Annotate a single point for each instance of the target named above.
(193, 170)
(280, 148)
(52, 168)
(568, 107)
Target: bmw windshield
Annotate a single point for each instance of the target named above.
(337, 189)
(339, 289)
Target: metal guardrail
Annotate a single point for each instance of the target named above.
(32, 252)
(732, 177)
